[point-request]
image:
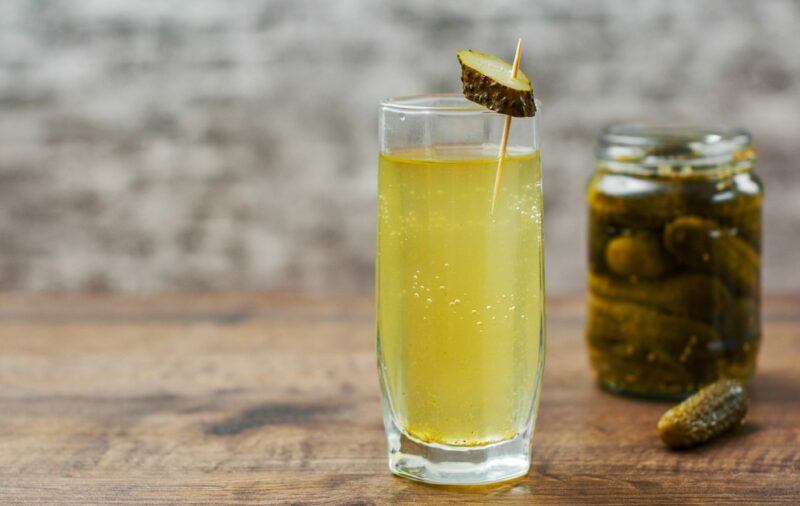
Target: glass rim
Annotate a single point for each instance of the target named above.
(649, 146)
(422, 104)
(643, 134)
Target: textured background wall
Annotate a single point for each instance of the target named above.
(209, 144)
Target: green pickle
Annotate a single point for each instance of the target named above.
(712, 411)
(705, 245)
(674, 266)
(639, 349)
(747, 225)
(698, 296)
(636, 256)
(639, 211)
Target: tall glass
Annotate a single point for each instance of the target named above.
(460, 290)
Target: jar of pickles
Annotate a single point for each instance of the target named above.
(674, 258)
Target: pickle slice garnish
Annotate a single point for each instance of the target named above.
(489, 81)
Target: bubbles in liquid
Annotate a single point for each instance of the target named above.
(455, 301)
(428, 300)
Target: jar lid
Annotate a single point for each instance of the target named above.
(674, 146)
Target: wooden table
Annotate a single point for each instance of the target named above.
(274, 398)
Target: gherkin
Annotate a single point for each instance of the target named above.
(488, 81)
(637, 256)
(640, 325)
(623, 367)
(648, 211)
(599, 232)
(742, 203)
(697, 296)
(710, 412)
(703, 244)
(637, 348)
(742, 320)
(745, 224)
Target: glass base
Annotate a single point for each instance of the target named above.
(458, 465)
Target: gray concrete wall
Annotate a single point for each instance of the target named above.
(224, 145)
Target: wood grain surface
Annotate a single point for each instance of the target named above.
(239, 398)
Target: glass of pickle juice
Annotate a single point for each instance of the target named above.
(460, 290)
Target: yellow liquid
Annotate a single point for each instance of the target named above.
(460, 292)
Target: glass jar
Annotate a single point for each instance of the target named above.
(674, 258)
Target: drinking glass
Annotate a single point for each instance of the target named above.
(460, 290)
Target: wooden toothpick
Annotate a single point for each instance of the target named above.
(506, 128)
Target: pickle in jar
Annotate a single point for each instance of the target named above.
(697, 296)
(702, 244)
(638, 211)
(647, 328)
(636, 256)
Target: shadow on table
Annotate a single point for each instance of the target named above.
(777, 387)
